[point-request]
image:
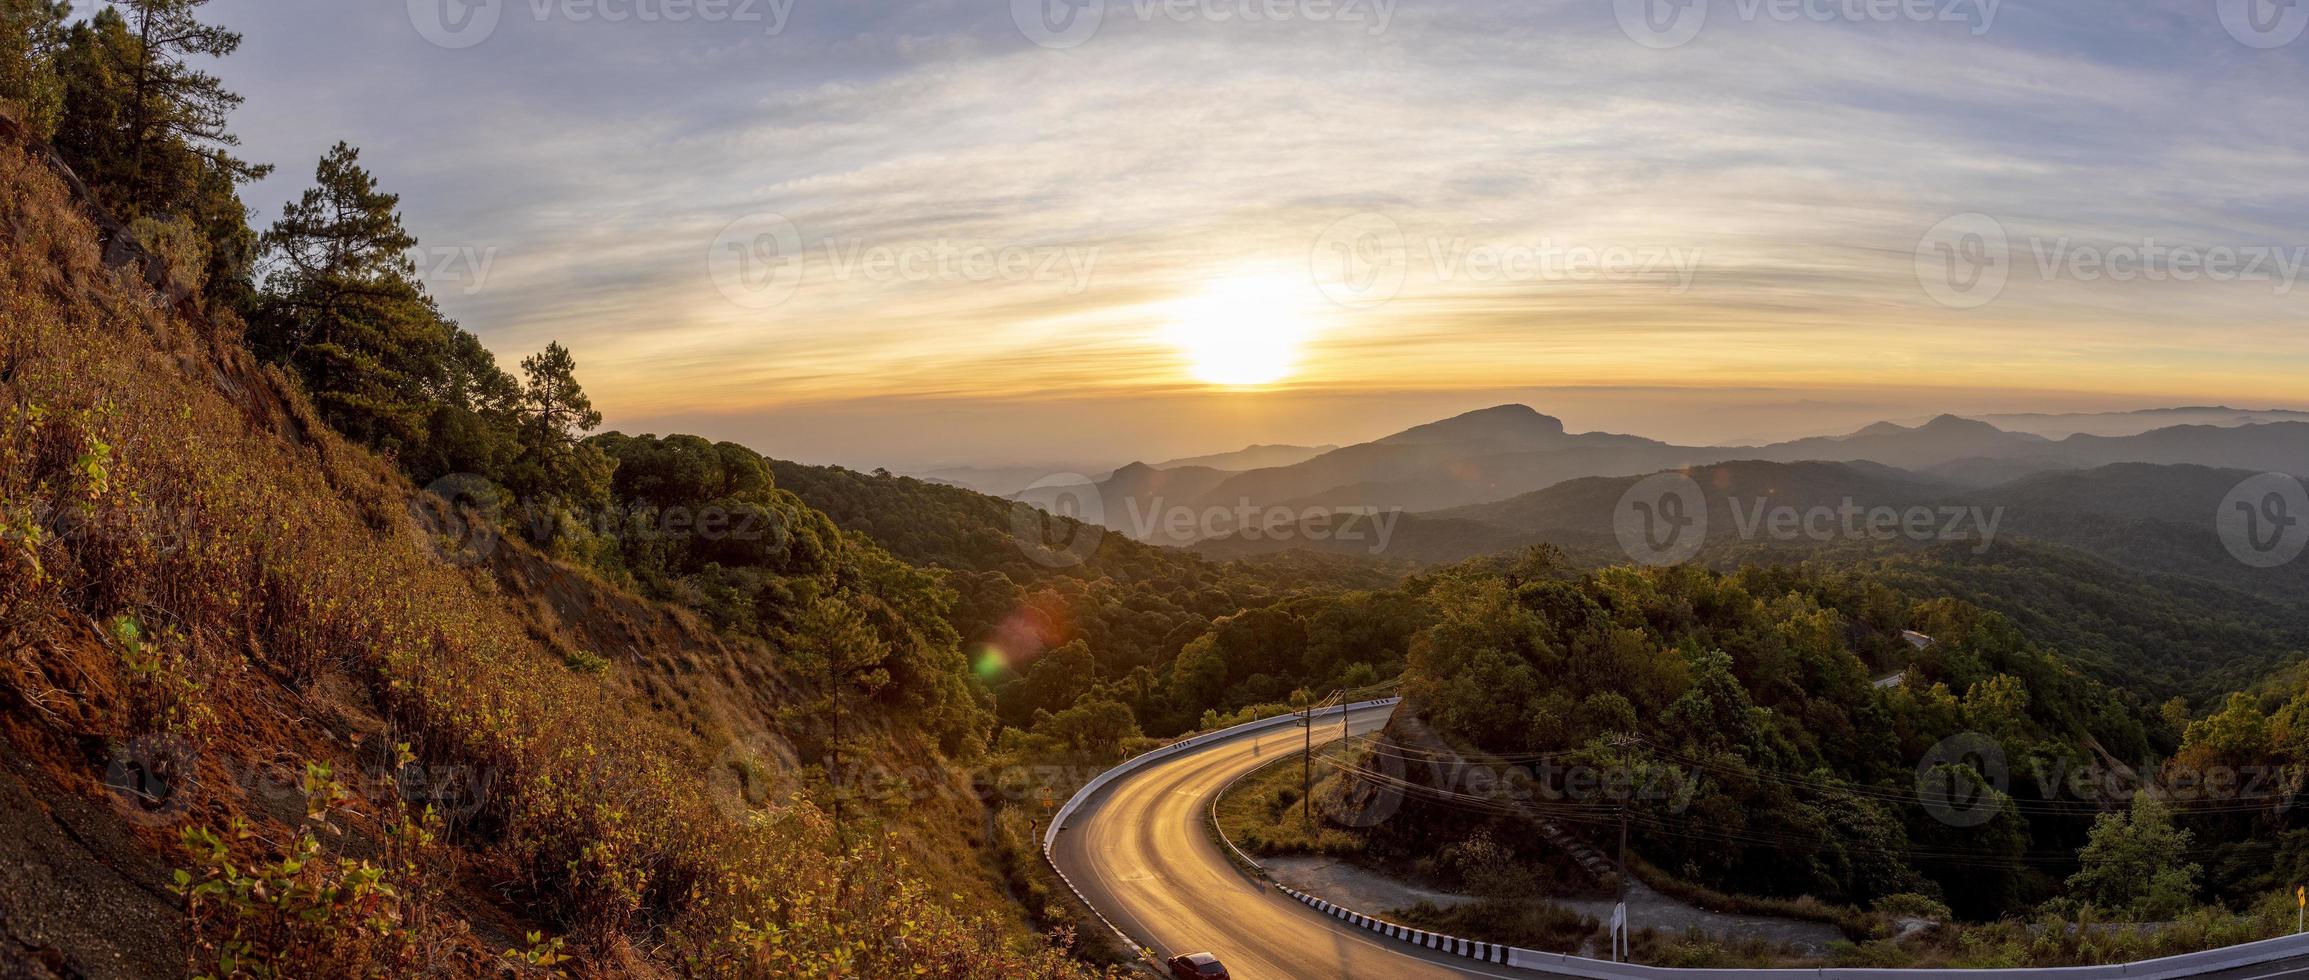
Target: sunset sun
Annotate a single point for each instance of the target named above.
(1242, 331)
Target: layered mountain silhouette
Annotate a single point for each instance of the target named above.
(1501, 453)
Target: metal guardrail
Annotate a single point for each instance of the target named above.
(1564, 964)
(1145, 759)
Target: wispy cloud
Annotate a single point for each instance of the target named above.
(1801, 163)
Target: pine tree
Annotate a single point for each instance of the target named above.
(174, 105)
(29, 46)
(558, 414)
(556, 401)
(344, 308)
(146, 132)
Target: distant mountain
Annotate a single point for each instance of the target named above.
(2061, 426)
(2155, 517)
(1941, 440)
(1249, 458)
(1481, 455)
(1499, 453)
(1579, 514)
(2123, 562)
(1139, 500)
(999, 481)
(1005, 481)
(2279, 447)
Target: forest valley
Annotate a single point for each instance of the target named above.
(673, 657)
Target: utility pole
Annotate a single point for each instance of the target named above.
(1307, 772)
(1619, 914)
(1623, 852)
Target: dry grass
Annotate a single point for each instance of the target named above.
(288, 605)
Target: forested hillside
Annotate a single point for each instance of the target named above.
(1162, 635)
(1778, 716)
(280, 712)
(2118, 568)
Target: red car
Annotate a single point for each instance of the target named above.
(1198, 966)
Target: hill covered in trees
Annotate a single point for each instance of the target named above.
(1789, 725)
(277, 711)
(1106, 620)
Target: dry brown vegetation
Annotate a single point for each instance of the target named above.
(198, 579)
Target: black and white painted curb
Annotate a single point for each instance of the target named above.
(1567, 965)
(1472, 949)
(1134, 764)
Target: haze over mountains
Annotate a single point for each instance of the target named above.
(1004, 481)
(1500, 453)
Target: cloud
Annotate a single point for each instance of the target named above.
(1802, 162)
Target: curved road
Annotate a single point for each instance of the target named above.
(1140, 853)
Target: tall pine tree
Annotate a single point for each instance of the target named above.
(147, 132)
(31, 38)
(344, 308)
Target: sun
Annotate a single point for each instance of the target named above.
(1243, 331)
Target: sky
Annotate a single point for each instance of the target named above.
(1017, 232)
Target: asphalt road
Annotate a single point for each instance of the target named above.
(1140, 853)
(2293, 968)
